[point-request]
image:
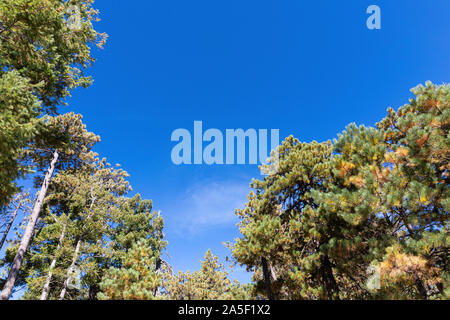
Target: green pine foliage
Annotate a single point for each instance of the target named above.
(362, 217)
(372, 204)
(136, 270)
(137, 278)
(211, 282)
(41, 60)
(19, 109)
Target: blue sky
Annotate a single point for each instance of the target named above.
(308, 68)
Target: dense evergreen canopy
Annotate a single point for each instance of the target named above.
(376, 200)
(362, 217)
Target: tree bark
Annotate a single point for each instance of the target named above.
(328, 279)
(267, 280)
(26, 239)
(156, 291)
(70, 270)
(421, 288)
(93, 291)
(46, 288)
(2, 242)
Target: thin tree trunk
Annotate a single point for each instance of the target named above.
(267, 280)
(77, 250)
(70, 270)
(26, 239)
(156, 292)
(10, 223)
(46, 288)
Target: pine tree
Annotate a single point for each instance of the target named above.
(41, 59)
(353, 198)
(376, 199)
(137, 243)
(284, 240)
(19, 110)
(417, 195)
(20, 202)
(66, 144)
(76, 222)
(209, 283)
(391, 185)
(38, 43)
(137, 278)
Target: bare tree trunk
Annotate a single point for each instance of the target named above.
(19, 205)
(26, 239)
(70, 270)
(266, 275)
(46, 288)
(77, 250)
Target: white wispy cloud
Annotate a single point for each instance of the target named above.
(208, 205)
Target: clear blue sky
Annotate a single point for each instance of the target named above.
(308, 68)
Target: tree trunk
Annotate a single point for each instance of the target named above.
(26, 239)
(421, 288)
(157, 269)
(93, 291)
(77, 250)
(328, 279)
(46, 288)
(70, 270)
(2, 242)
(267, 280)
